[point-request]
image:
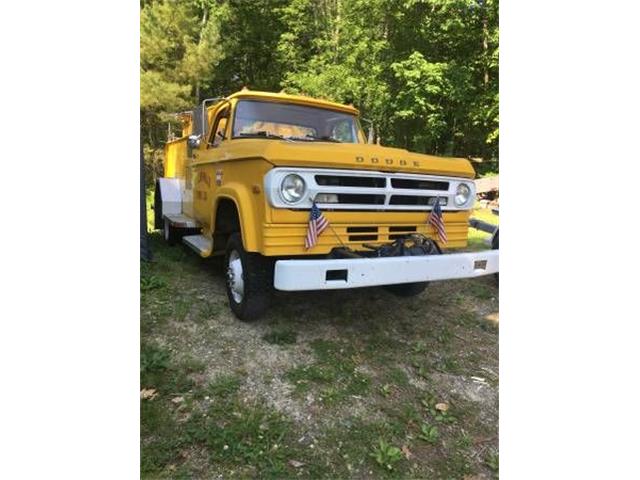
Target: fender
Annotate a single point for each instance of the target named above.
(241, 196)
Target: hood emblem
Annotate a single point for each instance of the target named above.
(388, 161)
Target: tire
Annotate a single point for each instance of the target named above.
(407, 289)
(170, 233)
(250, 297)
(495, 246)
(158, 222)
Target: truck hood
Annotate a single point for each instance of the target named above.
(352, 156)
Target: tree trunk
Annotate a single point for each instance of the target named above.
(145, 251)
(485, 48)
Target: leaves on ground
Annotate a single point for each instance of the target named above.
(148, 394)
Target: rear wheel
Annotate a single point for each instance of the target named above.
(495, 246)
(157, 208)
(170, 233)
(249, 280)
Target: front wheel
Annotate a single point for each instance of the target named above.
(406, 290)
(249, 280)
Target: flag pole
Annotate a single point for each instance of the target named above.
(337, 236)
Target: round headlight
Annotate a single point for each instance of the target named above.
(292, 188)
(463, 194)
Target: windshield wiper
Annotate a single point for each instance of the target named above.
(306, 138)
(262, 134)
(313, 138)
(324, 139)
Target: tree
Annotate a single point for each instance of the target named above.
(425, 72)
(178, 52)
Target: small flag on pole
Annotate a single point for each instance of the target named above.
(317, 224)
(435, 220)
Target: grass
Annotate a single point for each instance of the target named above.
(334, 373)
(241, 437)
(235, 436)
(361, 446)
(342, 384)
(210, 310)
(224, 386)
(491, 461)
(281, 336)
(153, 359)
(233, 433)
(397, 377)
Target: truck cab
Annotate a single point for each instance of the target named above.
(243, 178)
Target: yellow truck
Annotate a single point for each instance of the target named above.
(243, 178)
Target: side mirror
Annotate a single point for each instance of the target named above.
(194, 141)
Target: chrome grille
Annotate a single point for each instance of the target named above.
(367, 190)
(414, 184)
(348, 181)
(416, 200)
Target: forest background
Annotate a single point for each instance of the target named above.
(424, 72)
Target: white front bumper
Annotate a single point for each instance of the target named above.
(329, 274)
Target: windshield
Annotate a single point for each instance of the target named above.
(295, 122)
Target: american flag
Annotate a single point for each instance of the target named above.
(435, 220)
(317, 225)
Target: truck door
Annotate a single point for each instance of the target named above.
(204, 175)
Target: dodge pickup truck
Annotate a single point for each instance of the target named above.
(242, 179)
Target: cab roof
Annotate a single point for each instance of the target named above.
(245, 93)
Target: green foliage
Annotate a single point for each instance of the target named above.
(424, 71)
(179, 50)
(429, 433)
(224, 386)
(151, 282)
(492, 461)
(249, 35)
(153, 359)
(385, 390)
(386, 455)
(158, 93)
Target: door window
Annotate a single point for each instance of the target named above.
(219, 130)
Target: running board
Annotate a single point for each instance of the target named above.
(200, 244)
(179, 220)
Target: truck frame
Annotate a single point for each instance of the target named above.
(242, 178)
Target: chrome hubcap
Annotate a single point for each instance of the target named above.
(234, 277)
